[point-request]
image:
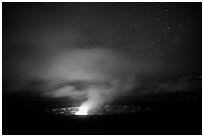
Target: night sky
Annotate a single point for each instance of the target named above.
(75, 49)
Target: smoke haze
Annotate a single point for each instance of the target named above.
(91, 51)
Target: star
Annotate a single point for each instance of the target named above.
(168, 28)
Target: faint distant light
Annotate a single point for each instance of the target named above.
(199, 76)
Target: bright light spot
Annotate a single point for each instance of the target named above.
(83, 110)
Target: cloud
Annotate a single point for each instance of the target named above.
(184, 83)
(72, 52)
(98, 75)
(60, 73)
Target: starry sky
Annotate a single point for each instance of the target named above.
(165, 39)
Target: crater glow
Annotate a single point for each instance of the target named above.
(83, 110)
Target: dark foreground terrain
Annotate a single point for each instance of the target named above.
(168, 116)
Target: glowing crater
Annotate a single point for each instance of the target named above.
(83, 110)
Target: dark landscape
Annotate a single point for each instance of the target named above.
(182, 116)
